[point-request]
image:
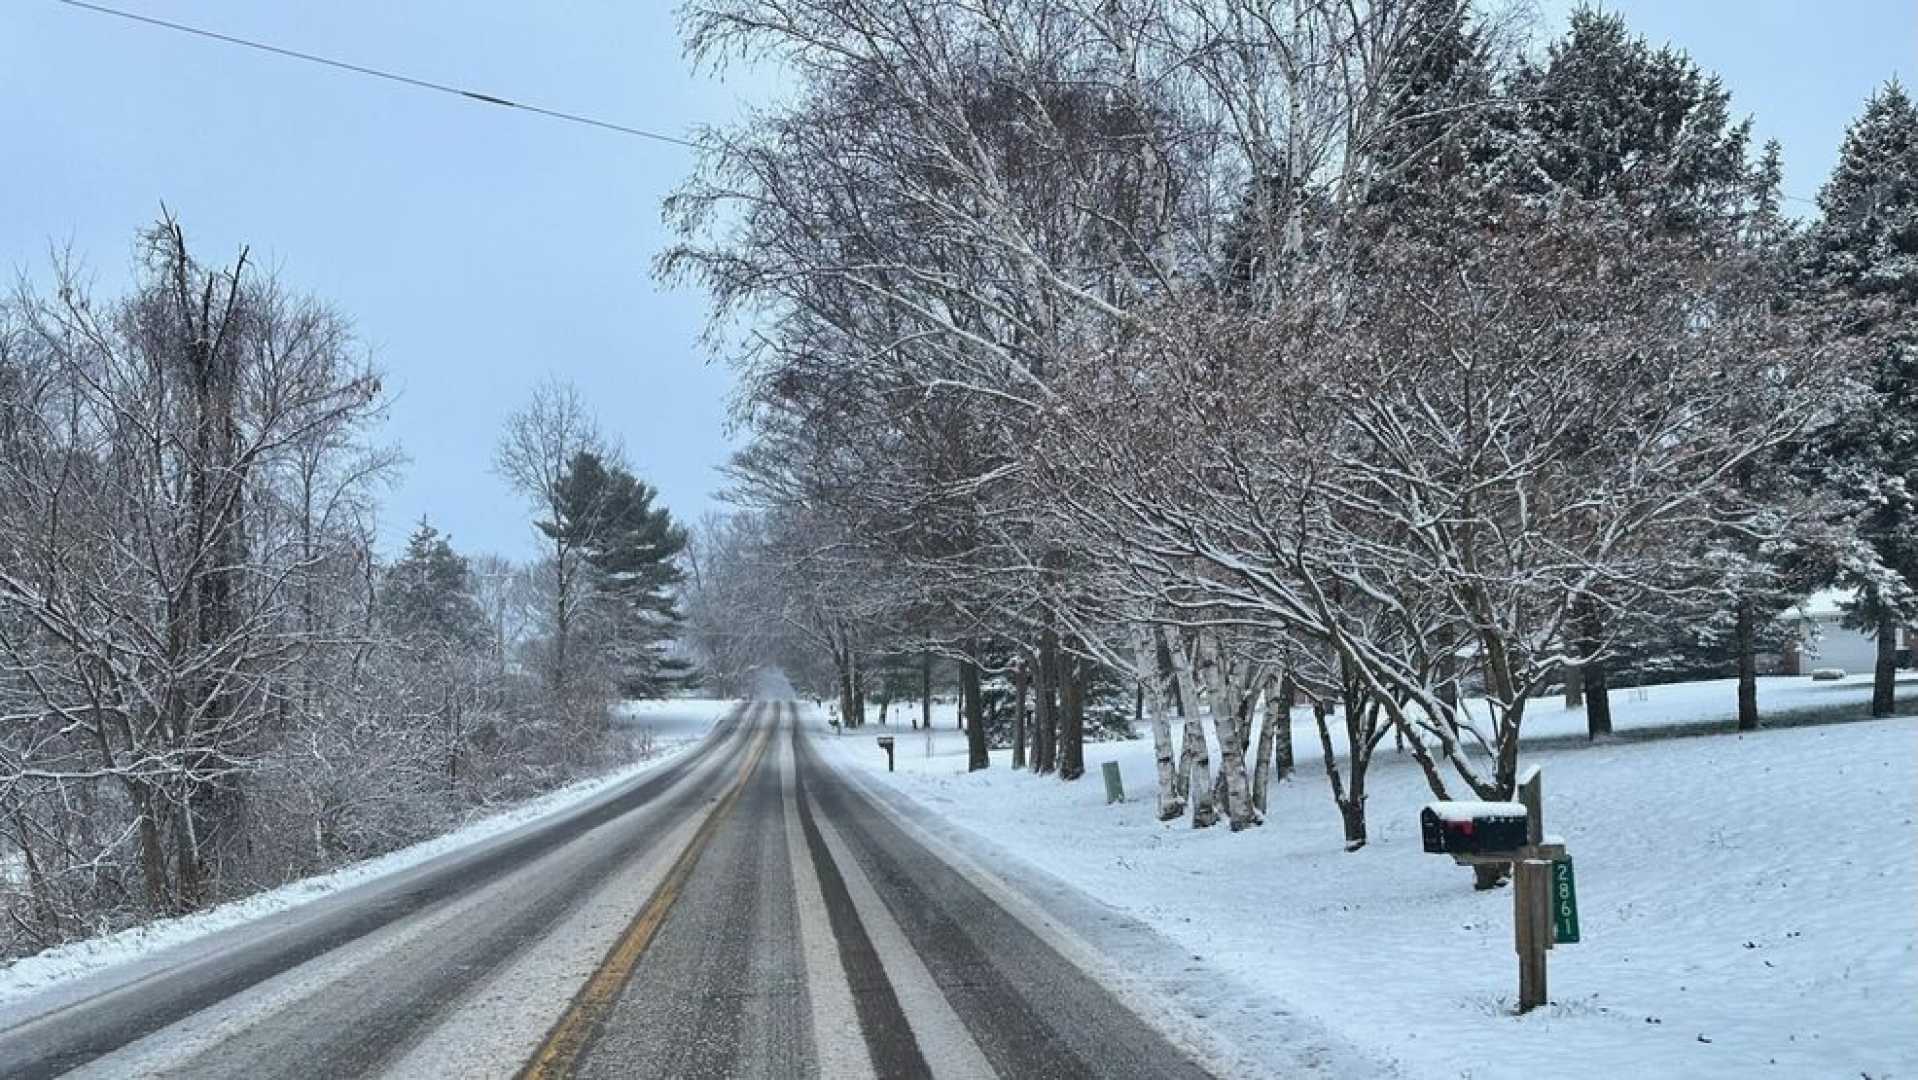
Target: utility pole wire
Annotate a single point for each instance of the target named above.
(357, 69)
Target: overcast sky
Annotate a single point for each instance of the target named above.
(478, 249)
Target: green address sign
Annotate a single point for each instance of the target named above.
(1564, 902)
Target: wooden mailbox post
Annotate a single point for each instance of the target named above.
(1544, 903)
(1532, 894)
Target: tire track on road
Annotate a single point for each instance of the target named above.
(1032, 1011)
(572, 1036)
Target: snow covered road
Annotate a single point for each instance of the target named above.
(745, 910)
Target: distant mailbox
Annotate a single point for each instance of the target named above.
(885, 743)
(1473, 828)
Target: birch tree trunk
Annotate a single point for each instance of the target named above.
(1169, 684)
(1152, 682)
(1262, 761)
(1225, 724)
(1194, 762)
(1283, 760)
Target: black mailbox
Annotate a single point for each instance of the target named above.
(1473, 828)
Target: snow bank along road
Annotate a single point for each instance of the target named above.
(743, 911)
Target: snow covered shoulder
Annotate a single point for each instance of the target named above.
(1749, 903)
(662, 730)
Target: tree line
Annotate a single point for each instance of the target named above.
(211, 680)
(1369, 358)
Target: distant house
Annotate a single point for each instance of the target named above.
(1826, 642)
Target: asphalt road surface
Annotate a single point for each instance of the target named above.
(745, 911)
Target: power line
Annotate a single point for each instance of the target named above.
(474, 95)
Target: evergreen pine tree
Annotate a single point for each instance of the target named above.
(426, 598)
(427, 603)
(1862, 255)
(631, 550)
(1438, 125)
(1608, 119)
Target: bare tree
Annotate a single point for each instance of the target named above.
(538, 445)
(155, 621)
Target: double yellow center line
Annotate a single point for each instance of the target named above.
(557, 1056)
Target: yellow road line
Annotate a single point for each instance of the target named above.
(560, 1052)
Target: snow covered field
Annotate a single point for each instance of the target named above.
(676, 725)
(676, 722)
(1748, 904)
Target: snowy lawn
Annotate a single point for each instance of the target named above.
(1748, 904)
(675, 725)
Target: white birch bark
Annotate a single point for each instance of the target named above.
(1152, 677)
(1225, 725)
(1194, 763)
(1262, 762)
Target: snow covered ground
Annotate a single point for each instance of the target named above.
(676, 722)
(1748, 904)
(676, 725)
